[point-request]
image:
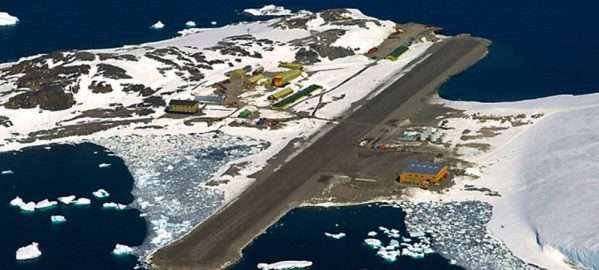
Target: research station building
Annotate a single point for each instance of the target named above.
(423, 174)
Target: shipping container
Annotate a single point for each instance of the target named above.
(395, 54)
(284, 78)
(291, 65)
(183, 106)
(293, 98)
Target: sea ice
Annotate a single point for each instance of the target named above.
(28, 252)
(335, 235)
(56, 219)
(7, 172)
(18, 202)
(285, 265)
(101, 193)
(45, 204)
(372, 233)
(104, 165)
(120, 250)
(389, 255)
(268, 10)
(373, 243)
(82, 201)
(190, 24)
(112, 205)
(66, 199)
(213, 22)
(7, 19)
(157, 25)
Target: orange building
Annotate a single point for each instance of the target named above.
(423, 174)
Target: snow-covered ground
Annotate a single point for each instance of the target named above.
(268, 10)
(180, 169)
(542, 164)
(7, 19)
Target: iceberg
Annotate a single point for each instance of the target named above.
(389, 255)
(121, 250)
(57, 219)
(373, 243)
(66, 199)
(335, 235)
(7, 19)
(8, 172)
(157, 25)
(372, 233)
(268, 10)
(82, 201)
(26, 207)
(284, 265)
(104, 165)
(28, 252)
(45, 204)
(112, 205)
(190, 24)
(213, 22)
(101, 193)
(17, 201)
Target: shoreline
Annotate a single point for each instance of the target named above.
(160, 260)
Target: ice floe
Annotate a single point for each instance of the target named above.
(373, 243)
(66, 199)
(101, 193)
(335, 235)
(28, 252)
(104, 165)
(82, 201)
(45, 204)
(57, 219)
(372, 233)
(157, 25)
(285, 265)
(268, 10)
(7, 172)
(113, 205)
(213, 23)
(7, 19)
(120, 249)
(190, 24)
(26, 207)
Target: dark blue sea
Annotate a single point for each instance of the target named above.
(87, 238)
(540, 48)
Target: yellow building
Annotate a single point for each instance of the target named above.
(183, 106)
(423, 174)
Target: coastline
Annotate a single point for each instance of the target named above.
(160, 261)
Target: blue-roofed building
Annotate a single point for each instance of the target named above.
(423, 174)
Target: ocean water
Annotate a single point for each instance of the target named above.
(87, 238)
(540, 47)
(299, 235)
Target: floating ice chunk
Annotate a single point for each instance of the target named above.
(389, 255)
(112, 205)
(101, 193)
(284, 265)
(120, 250)
(268, 10)
(190, 24)
(57, 219)
(335, 235)
(104, 165)
(28, 252)
(373, 243)
(45, 204)
(7, 19)
(372, 233)
(8, 172)
(47, 147)
(82, 201)
(157, 25)
(17, 202)
(213, 22)
(416, 234)
(66, 199)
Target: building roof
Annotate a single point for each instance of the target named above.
(422, 167)
(183, 102)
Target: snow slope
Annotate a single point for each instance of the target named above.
(546, 175)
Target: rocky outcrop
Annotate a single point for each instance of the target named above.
(138, 88)
(100, 87)
(48, 97)
(112, 72)
(320, 45)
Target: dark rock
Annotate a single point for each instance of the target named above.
(48, 97)
(100, 87)
(112, 72)
(139, 88)
(85, 56)
(5, 121)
